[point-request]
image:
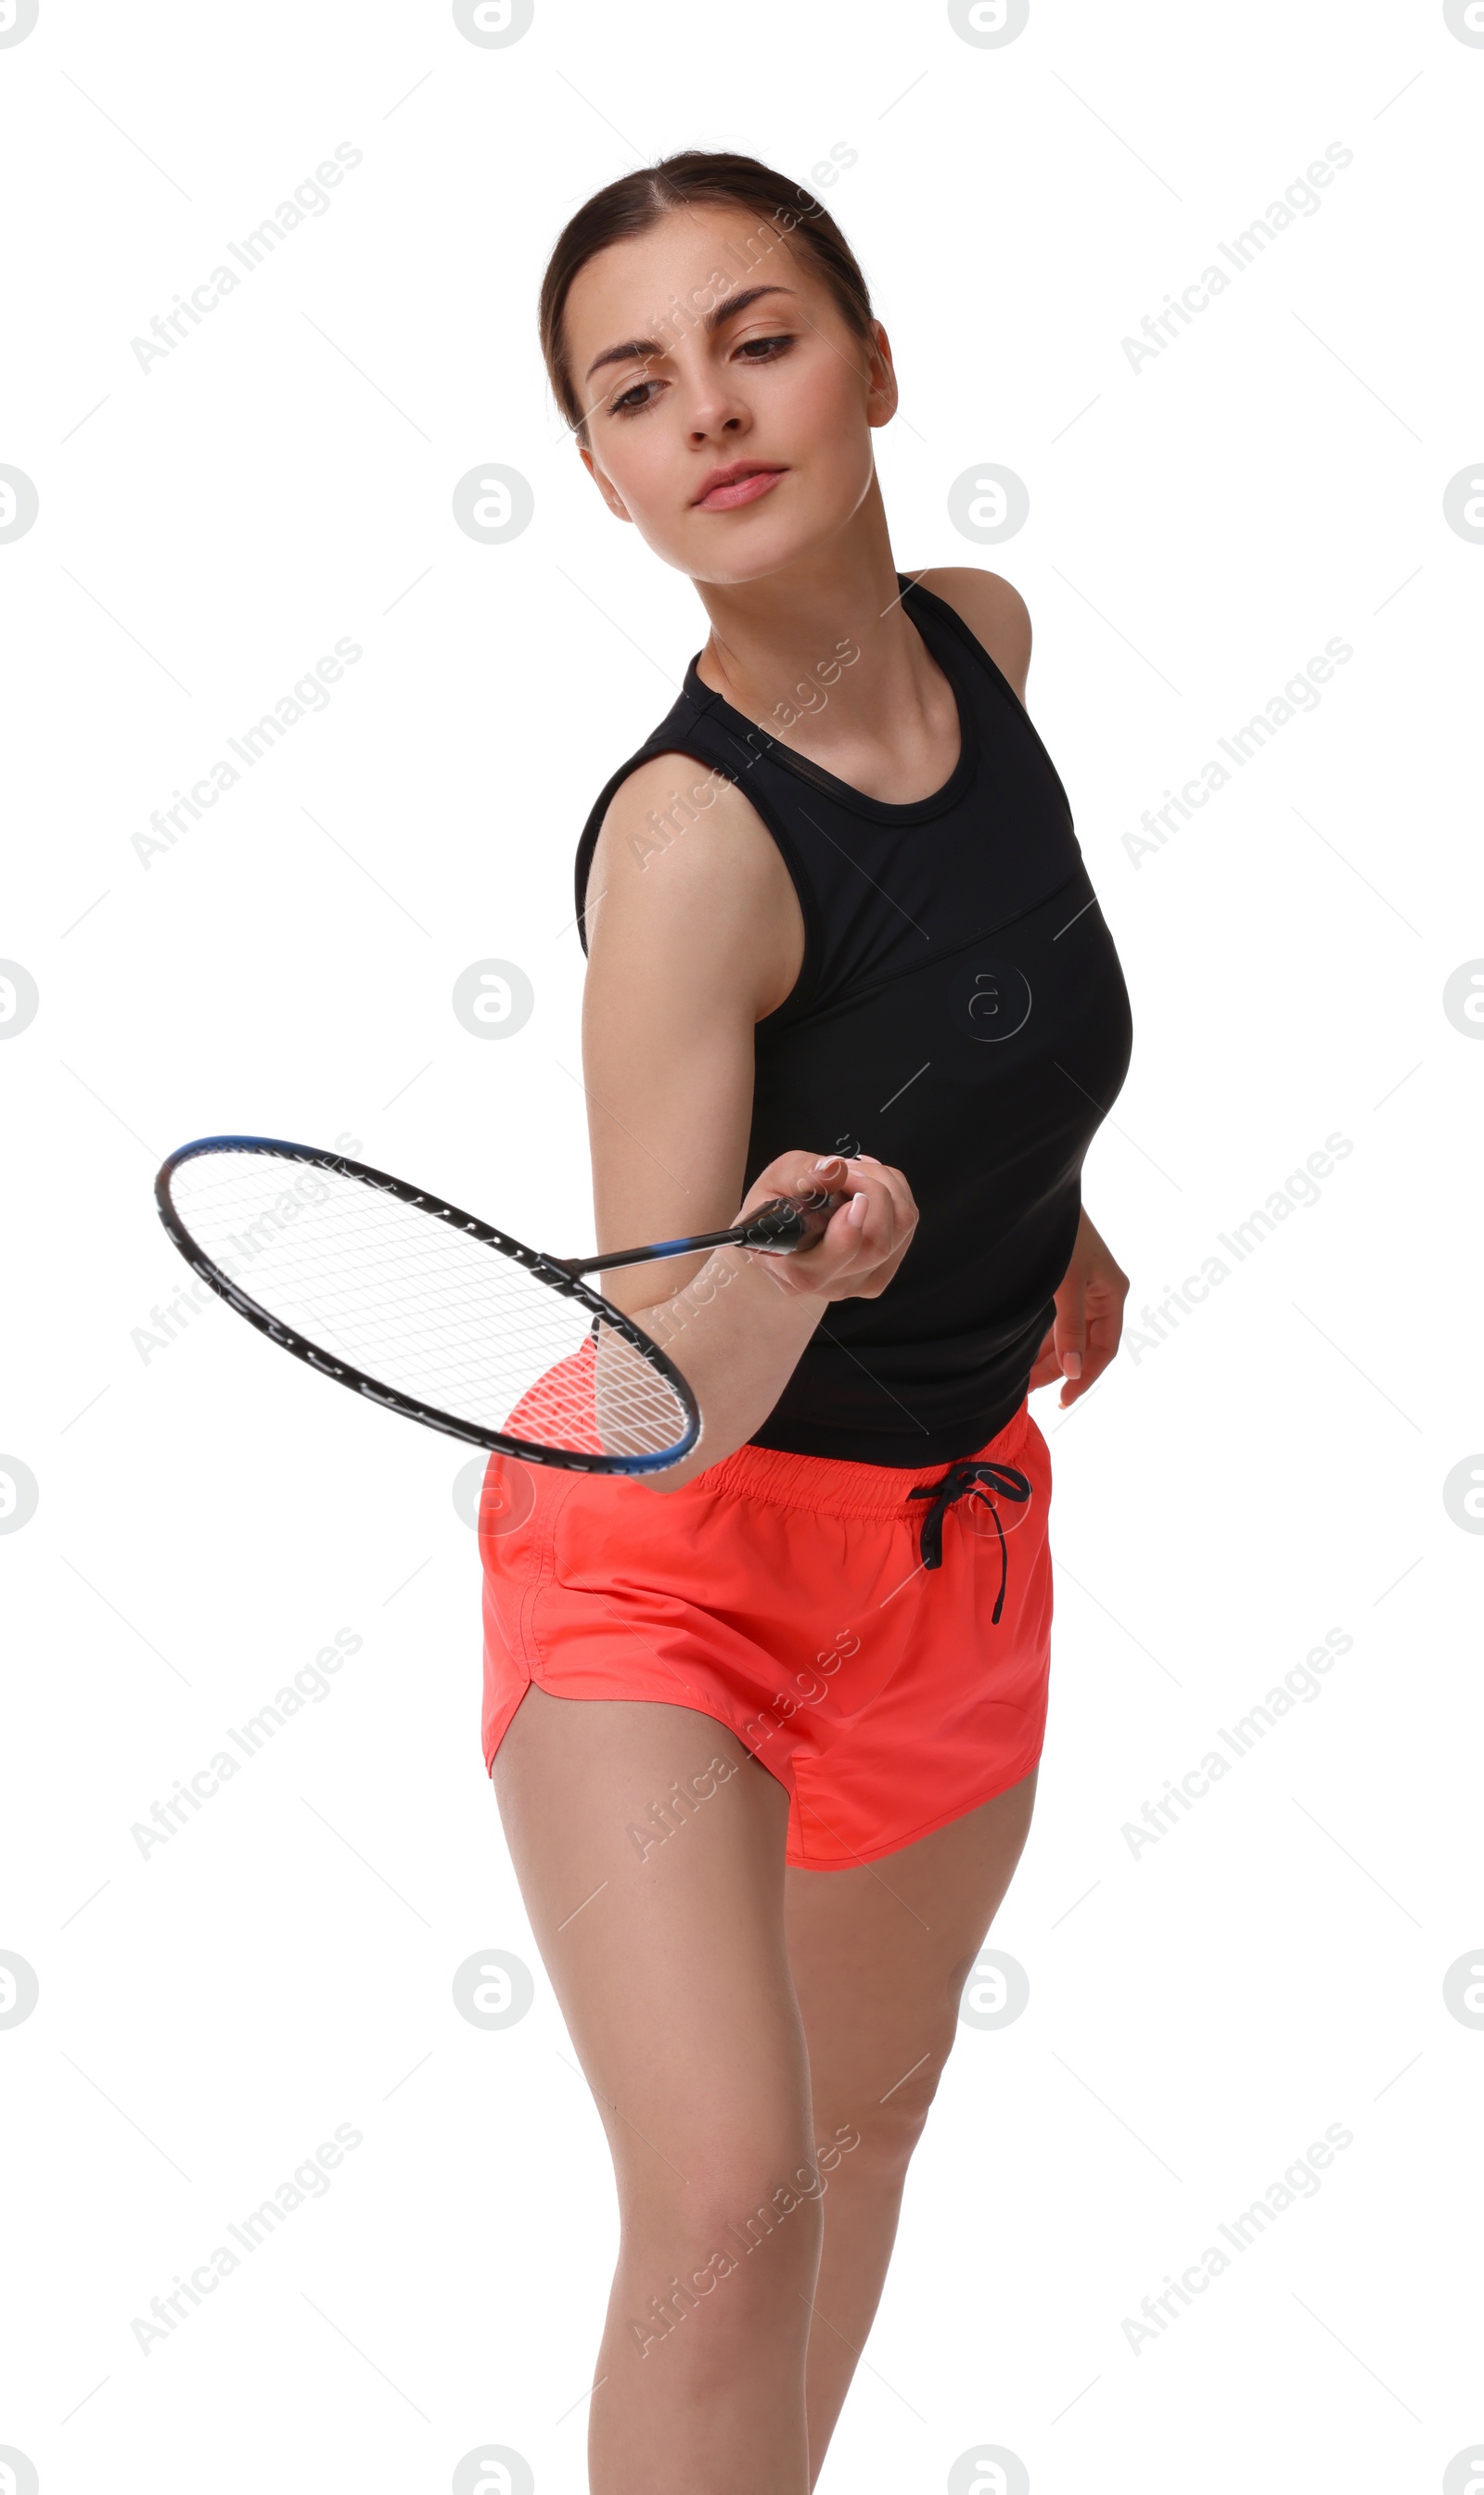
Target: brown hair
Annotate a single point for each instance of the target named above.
(636, 201)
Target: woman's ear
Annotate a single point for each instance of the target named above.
(881, 377)
(604, 488)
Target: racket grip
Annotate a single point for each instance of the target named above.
(786, 1223)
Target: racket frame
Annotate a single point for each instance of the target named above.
(559, 1277)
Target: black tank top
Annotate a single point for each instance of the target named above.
(960, 1013)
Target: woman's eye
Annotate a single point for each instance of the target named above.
(632, 399)
(752, 351)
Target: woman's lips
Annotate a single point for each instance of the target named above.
(743, 489)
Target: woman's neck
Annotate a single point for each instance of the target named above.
(825, 657)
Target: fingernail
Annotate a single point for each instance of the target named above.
(1071, 1363)
(833, 1163)
(858, 1212)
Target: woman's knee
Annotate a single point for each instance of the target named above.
(867, 2130)
(740, 2197)
(719, 2272)
(725, 2267)
(719, 2314)
(752, 2206)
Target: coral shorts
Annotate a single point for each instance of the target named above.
(845, 1630)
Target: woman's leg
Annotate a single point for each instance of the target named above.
(667, 1955)
(879, 1956)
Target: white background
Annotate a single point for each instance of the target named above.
(208, 1517)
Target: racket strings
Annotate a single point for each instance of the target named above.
(422, 1306)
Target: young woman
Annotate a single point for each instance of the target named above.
(763, 1727)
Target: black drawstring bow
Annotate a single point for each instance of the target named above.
(971, 1479)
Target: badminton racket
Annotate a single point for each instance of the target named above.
(437, 1315)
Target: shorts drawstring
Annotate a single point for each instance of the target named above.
(971, 1479)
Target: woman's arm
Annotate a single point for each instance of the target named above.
(1089, 1317)
(689, 944)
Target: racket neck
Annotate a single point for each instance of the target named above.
(663, 1248)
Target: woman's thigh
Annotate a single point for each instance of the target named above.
(879, 1954)
(649, 1848)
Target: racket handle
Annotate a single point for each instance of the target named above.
(786, 1224)
(781, 1227)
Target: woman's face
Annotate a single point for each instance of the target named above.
(707, 346)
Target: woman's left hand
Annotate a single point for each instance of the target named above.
(1089, 1319)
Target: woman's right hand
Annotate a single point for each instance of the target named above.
(866, 1239)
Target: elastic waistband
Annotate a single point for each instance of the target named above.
(832, 1485)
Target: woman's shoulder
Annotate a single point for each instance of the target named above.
(994, 610)
(672, 806)
(684, 867)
